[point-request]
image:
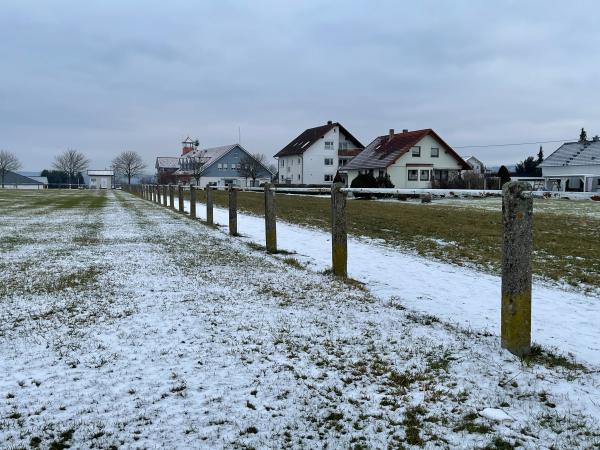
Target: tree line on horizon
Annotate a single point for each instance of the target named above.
(68, 167)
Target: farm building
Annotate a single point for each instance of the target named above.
(411, 159)
(574, 166)
(166, 166)
(217, 166)
(101, 179)
(317, 154)
(13, 180)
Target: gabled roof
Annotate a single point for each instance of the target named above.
(574, 154)
(308, 137)
(15, 178)
(211, 155)
(167, 162)
(383, 151)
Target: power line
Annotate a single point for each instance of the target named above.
(519, 143)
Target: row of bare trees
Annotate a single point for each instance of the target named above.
(72, 162)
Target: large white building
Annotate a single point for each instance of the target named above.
(315, 156)
(411, 159)
(574, 166)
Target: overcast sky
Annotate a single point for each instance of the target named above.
(106, 76)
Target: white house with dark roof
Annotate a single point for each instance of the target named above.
(14, 180)
(316, 155)
(574, 166)
(412, 159)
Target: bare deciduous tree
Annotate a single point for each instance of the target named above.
(251, 166)
(8, 163)
(71, 162)
(128, 164)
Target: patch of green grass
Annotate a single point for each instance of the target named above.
(293, 262)
(499, 443)
(413, 424)
(469, 423)
(552, 360)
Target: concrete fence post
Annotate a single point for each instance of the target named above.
(270, 220)
(209, 205)
(164, 194)
(517, 247)
(180, 198)
(339, 237)
(232, 211)
(171, 196)
(156, 193)
(192, 202)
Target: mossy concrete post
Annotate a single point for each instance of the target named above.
(164, 195)
(232, 211)
(171, 196)
(517, 247)
(209, 205)
(192, 202)
(180, 198)
(270, 220)
(339, 237)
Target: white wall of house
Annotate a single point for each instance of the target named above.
(311, 167)
(589, 175)
(222, 181)
(100, 182)
(424, 164)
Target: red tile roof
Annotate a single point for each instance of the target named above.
(385, 151)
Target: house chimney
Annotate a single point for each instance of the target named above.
(391, 133)
(329, 122)
(405, 130)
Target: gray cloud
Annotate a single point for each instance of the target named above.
(104, 76)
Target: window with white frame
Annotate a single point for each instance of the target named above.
(220, 166)
(416, 151)
(413, 175)
(329, 161)
(425, 175)
(328, 145)
(435, 152)
(328, 178)
(343, 146)
(299, 160)
(283, 163)
(225, 166)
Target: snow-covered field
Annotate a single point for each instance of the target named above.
(456, 294)
(126, 325)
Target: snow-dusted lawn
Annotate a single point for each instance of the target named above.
(561, 318)
(133, 326)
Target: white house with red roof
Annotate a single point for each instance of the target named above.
(412, 159)
(316, 154)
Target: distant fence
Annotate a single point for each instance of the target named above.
(517, 246)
